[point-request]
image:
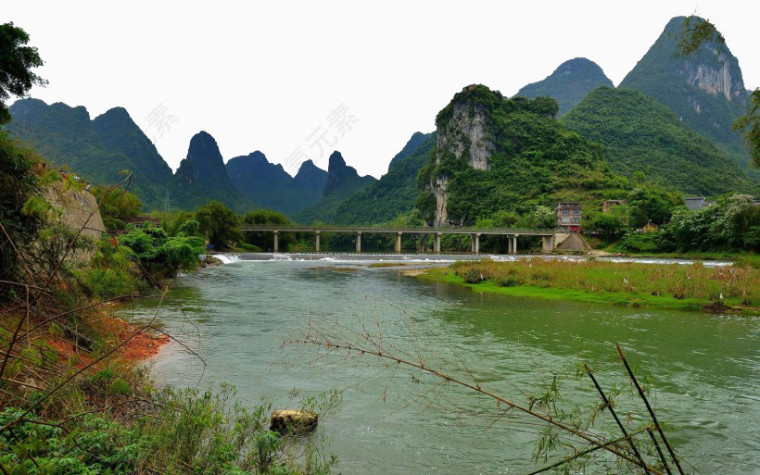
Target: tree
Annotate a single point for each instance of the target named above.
(117, 206)
(750, 124)
(541, 218)
(18, 186)
(651, 204)
(16, 62)
(220, 224)
(608, 226)
(17, 182)
(698, 31)
(263, 240)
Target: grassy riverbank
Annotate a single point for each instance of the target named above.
(683, 287)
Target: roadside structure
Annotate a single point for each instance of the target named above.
(569, 216)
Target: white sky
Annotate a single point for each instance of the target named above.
(266, 75)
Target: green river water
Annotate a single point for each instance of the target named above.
(703, 369)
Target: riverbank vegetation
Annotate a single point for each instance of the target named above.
(689, 287)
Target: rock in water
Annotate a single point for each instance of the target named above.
(291, 421)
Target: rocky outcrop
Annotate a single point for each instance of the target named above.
(462, 133)
(439, 191)
(289, 421)
(498, 154)
(465, 136)
(76, 209)
(714, 78)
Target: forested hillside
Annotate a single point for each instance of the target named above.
(641, 135)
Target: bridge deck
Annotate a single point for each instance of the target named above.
(417, 230)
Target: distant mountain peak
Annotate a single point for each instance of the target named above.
(338, 172)
(117, 111)
(259, 156)
(203, 163)
(579, 66)
(705, 89)
(308, 164)
(569, 83)
(202, 142)
(270, 186)
(342, 181)
(336, 161)
(712, 68)
(202, 174)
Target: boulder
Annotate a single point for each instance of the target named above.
(291, 421)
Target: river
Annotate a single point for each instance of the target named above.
(702, 369)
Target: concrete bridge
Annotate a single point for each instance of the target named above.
(550, 238)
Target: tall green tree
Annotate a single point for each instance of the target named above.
(220, 224)
(17, 188)
(264, 240)
(16, 63)
(17, 182)
(651, 204)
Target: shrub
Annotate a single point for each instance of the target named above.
(637, 241)
(100, 446)
(220, 224)
(508, 281)
(473, 276)
(160, 255)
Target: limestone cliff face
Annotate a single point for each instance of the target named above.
(439, 191)
(462, 134)
(465, 136)
(715, 77)
(76, 210)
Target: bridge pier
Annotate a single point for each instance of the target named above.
(547, 244)
(437, 243)
(358, 242)
(512, 244)
(475, 239)
(316, 240)
(276, 246)
(398, 243)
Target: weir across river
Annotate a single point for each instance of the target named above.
(550, 238)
